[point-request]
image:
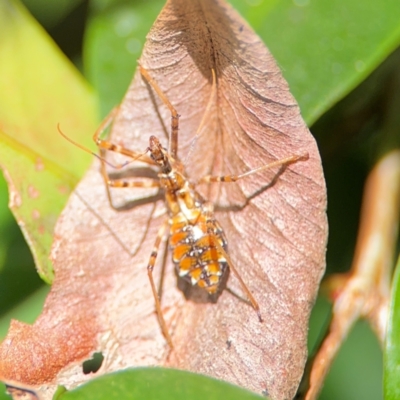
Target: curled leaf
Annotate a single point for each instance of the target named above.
(275, 221)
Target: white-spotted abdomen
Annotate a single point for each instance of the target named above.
(195, 254)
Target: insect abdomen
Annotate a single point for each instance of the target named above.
(194, 252)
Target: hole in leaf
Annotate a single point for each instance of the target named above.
(94, 364)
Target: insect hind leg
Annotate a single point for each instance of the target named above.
(150, 267)
(211, 228)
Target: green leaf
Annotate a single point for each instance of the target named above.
(49, 13)
(59, 392)
(114, 39)
(156, 383)
(325, 48)
(39, 89)
(391, 377)
(3, 395)
(15, 259)
(6, 221)
(38, 191)
(356, 372)
(27, 311)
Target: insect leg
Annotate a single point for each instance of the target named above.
(211, 229)
(150, 267)
(173, 142)
(122, 183)
(233, 178)
(105, 145)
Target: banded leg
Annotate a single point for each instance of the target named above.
(233, 178)
(122, 183)
(150, 267)
(104, 146)
(173, 141)
(210, 230)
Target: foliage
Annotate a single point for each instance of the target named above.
(325, 50)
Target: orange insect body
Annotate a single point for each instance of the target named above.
(193, 230)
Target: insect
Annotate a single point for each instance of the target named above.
(196, 239)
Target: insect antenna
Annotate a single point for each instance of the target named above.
(102, 159)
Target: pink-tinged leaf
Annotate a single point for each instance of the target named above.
(275, 222)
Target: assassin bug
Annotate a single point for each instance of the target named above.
(196, 239)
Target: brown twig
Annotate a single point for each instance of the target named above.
(365, 290)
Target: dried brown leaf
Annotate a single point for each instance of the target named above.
(275, 224)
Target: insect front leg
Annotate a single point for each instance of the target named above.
(173, 142)
(105, 145)
(150, 267)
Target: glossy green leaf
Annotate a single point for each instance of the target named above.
(392, 347)
(325, 48)
(38, 90)
(158, 383)
(114, 39)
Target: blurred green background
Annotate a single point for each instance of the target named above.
(342, 63)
